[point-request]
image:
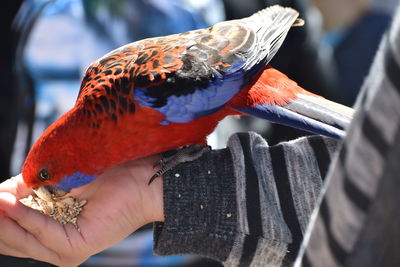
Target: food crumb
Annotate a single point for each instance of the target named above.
(64, 211)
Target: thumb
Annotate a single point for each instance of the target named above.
(16, 186)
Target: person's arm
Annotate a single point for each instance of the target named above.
(249, 203)
(358, 219)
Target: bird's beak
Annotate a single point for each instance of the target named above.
(49, 193)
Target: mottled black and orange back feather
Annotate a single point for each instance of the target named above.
(183, 76)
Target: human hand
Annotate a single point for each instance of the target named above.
(119, 202)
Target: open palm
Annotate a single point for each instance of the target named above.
(119, 202)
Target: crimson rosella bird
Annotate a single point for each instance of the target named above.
(163, 93)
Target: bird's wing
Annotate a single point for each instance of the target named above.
(198, 72)
(188, 75)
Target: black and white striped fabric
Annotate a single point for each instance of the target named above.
(245, 205)
(358, 220)
(277, 189)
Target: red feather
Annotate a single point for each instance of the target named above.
(272, 87)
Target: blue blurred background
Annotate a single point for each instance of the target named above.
(49, 44)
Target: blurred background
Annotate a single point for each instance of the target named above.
(47, 46)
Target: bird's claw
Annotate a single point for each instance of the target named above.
(156, 175)
(180, 155)
(158, 163)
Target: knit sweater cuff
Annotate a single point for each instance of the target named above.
(199, 208)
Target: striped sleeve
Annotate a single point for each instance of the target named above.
(358, 219)
(277, 188)
(247, 205)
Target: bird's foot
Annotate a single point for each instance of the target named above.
(174, 157)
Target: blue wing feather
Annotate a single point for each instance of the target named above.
(202, 102)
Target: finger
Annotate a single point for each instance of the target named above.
(46, 230)
(16, 186)
(17, 242)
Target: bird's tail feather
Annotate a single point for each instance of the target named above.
(277, 98)
(309, 113)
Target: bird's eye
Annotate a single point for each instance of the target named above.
(44, 174)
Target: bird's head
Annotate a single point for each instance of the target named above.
(56, 163)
